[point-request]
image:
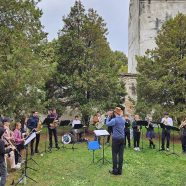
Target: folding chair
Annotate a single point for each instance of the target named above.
(93, 145)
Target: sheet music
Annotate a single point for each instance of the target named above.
(32, 136)
(101, 133)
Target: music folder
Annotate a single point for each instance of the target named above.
(30, 138)
(142, 123)
(77, 126)
(101, 133)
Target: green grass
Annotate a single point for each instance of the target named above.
(75, 168)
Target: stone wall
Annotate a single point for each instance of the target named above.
(130, 84)
(145, 19)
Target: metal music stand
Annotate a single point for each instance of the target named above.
(76, 129)
(142, 123)
(102, 133)
(158, 124)
(173, 129)
(47, 121)
(24, 174)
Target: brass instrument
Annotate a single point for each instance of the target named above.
(39, 127)
(54, 124)
(183, 124)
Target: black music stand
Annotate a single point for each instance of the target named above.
(102, 133)
(142, 123)
(47, 121)
(24, 174)
(173, 129)
(77, 126)
(159, 125)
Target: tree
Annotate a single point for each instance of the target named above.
(121, 58)
(87, 76)
(23, 68)
(161, 81)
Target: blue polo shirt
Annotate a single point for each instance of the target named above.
(118, 125)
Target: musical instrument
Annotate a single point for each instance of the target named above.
(183, 124)
(39, 127)
(54, 124)
(100, 123)
(68, 138)
(11, 144)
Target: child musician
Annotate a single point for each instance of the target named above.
(150, 133)
(18, 142)
(3, 169)
(167, 121)
(8, 137)
(136, 133)
(127, 130)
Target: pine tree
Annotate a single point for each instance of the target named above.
(87, 75)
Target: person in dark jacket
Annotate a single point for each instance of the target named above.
(127, 130)
(136, 132)
(32, 124)
(3, 170)
(52, 114)
(118, 138)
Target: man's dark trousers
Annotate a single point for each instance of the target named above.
(165, 134)
(54, 131)
(117, 154)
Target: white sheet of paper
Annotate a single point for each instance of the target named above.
(101, 133)
(32, 136)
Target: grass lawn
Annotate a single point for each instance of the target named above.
(75, 168)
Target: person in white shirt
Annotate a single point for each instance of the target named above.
(76, 121)
(77, 132)
(167, 121)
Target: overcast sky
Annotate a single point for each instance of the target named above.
(114, 12)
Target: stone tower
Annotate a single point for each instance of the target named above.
(145, 19)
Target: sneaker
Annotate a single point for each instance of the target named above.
(167, 149)
(100, 146)
(138, 149)
(135, 148)
(17, 166)
(22, 161)
(57, 147)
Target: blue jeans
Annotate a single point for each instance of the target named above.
(3, 173)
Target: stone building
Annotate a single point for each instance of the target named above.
(145, 19)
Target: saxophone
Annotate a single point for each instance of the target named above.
(183, 124)
(39, 127)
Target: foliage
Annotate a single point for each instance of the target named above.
(23, 65)
(162, 71)
(87, 72)
(122, 59)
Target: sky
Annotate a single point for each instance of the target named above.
(114, 13)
